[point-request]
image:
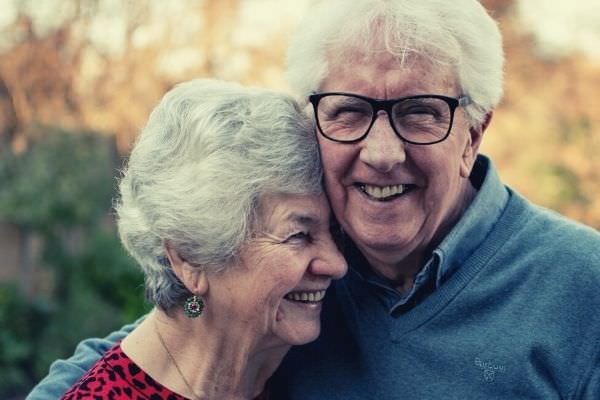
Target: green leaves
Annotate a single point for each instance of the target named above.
(61, 190)
(62, 179)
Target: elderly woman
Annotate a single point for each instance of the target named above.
(221, 205)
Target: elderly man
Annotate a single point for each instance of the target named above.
(459, 287)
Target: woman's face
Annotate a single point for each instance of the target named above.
(277, 288)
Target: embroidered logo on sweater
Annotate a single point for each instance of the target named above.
(490, 369)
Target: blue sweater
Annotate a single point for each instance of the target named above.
(508, 307)
(514, 313)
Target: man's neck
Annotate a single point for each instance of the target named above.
(402, 269)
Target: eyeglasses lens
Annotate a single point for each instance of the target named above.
(418, 120)
(422, 120)
(344, 118)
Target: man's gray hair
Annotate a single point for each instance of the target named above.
(458, 33)
(198, 170)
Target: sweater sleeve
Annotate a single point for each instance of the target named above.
(65, 373)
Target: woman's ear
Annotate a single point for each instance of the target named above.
(193, 277)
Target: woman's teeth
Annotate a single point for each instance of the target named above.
(383, 192)
(306, 296)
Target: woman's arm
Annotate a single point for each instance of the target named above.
(65, 373)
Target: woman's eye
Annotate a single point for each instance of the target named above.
(298, 236)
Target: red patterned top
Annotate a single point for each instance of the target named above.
(116, 376)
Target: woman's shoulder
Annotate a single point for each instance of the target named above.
(116, 376)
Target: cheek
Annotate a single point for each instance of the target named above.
(262, 297)
(337, 167)
(256, 290)
(442, 161)
(336, 157)
(439, 172)
(286, 275)
(335, 192)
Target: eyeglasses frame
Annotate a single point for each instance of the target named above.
(386, 105)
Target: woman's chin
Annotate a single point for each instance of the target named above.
(298, 323)
(296, 336)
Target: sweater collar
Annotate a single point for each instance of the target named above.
(477, 221)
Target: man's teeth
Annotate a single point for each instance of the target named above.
(306, 296)
(381, 192)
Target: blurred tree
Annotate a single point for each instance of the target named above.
(22, 322)
(60, 188)
(63, 180)
(544, 134)
(8, 117)
(61, 77)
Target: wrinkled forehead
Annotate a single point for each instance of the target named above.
(300, 209)
(382, 43)
(372, 67)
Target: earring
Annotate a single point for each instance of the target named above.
(193, 306)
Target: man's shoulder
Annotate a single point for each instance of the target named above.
(98, 380)
(64, 373)
(525, 219)
(550, 245)
(548, 227)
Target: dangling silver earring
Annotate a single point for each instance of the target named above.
(193, 306)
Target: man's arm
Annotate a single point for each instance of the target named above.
(65, 373)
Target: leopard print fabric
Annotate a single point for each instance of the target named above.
(115, 376)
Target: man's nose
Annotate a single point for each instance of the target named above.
(382, 148)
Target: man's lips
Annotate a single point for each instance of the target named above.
(386, 192)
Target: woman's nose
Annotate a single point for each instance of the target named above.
(382, 149)
(330, 262)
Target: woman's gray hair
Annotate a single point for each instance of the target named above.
(198, 170)
(458, 33)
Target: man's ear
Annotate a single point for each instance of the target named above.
(193, 277)
(472, 147)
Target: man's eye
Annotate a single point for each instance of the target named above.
(429, 111)
(346, 112)
(423, 110)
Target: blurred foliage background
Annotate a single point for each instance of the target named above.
(78, 79)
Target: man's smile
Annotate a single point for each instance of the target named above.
(384, 193)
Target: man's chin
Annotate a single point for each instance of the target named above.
(382, 249)
(381, 239)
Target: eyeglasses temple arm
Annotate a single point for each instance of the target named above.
(464, 101)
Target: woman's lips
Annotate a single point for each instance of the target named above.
(313, 296)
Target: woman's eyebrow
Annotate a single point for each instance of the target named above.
(293, 218)
(303, 219)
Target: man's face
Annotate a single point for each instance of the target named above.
(398, 231)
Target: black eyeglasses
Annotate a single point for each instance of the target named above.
(422, 119)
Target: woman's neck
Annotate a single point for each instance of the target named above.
(227, 362)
